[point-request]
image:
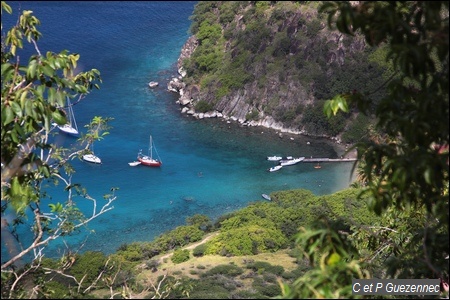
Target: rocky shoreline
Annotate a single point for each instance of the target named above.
(187, 99)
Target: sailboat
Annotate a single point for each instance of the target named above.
(91, 157)
(70, 127)
(149, 160)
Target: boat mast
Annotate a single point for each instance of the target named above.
(72, 121)
(151, 152)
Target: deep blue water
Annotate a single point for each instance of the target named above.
(209, 167)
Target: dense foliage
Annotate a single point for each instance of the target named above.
(281, 56)
(35, 91)
(405, 169)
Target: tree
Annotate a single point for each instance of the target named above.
(406, 167)
(34, 93)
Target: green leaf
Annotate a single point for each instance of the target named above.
(6, 7)
(28, 107)
(48, 71)
(18, 196)
(342, 104)
(59, 117)
(16, 108)
(327, 109)
(333, 259)
(428, 175)
(31, 72)
(8, 115)
(56, 208)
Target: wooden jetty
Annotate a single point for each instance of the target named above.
(328, 159)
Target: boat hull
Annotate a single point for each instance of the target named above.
(290, 162)
(274, 158)
(276, 168)
(68, 130)
(92, 159)
(150, 162)
(267, 197)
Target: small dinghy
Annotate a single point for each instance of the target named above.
(267, 197)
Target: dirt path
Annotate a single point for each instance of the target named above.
(192, 246)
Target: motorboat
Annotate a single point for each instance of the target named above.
(291, 161)
(275, 168)
(267, 197)
(134, 163)
(92, 158)
(274, 158)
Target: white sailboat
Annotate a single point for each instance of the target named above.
(70, 127)
(91, 157)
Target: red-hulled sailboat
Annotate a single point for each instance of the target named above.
(149, 160)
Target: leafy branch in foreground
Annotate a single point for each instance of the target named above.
(405, 169)
(33, 92)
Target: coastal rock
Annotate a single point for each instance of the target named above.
(277, 94)
(182, 72)
(186, 52)
(212, 114)
(184, 100)
(175, 85)
(153, 84)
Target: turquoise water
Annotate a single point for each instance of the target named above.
(209, 166)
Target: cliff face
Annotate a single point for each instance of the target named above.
(268, 64)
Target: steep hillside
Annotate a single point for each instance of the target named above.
(273, 64)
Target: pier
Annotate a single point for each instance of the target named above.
(328, 159)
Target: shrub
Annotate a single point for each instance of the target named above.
(248, 295)
(203, 106)
(289, 275)
(269, 277)
(199, 250)
(265, 266)
(247, 240)
(151, 264)
(253, 115)
(88, 264)
(226, 270)
(55, 289)
(271, 290)
(180, 256)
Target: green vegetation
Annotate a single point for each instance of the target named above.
(199, 250)
(395, 225)
(203, 106)
(403, 170)
(35, 93)
(278, 51)
(180, 256)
